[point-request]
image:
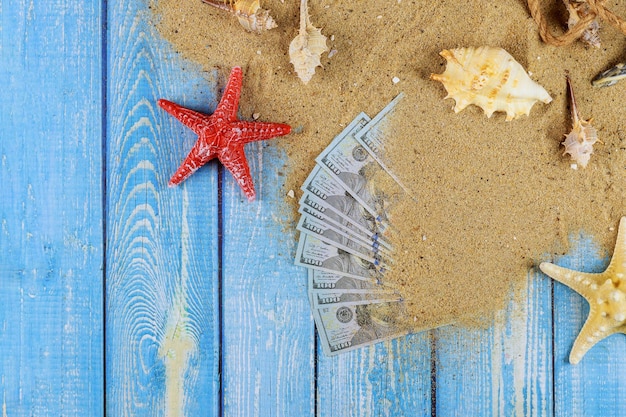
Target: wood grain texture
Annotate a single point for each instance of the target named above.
(502, 370)
(164, 307)
(162, 267)
(388, 379)
(268, 341)
(51, 345)
(596, 385)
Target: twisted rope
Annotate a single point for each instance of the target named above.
(597, 9)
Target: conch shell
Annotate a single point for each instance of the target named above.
(306, 49)
(249, 13)
(491, 79)
(579, 142)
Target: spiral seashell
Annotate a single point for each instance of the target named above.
(579, 142)
(577, 10)
(249, 13)
(306, 49)
(491, 79)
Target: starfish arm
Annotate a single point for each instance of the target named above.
(197, 157)
(194, 120)
(595, 329)
(234, 159)
(247, 132)
(228, 105)
(583, 283)
(617, 267)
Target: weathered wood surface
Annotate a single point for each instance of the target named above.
(268, 351)
(51, 252)
(204, 313)
(594, 387)
(162, 310)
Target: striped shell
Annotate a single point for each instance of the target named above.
(306, 49)
(491, 79)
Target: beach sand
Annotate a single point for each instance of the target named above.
(493, 197)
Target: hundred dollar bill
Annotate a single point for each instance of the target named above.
(353, 297)
(355, 169)
(343, 328)
(346, 212)
(312, 226)
(326, 280)
(315, 254)
(347, 229)
(373, 138)
(325, 187)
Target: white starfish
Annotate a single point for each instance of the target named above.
(605, 292)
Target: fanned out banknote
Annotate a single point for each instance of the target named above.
(346, 238)
(345, 327)
(354, 167)
(317, 228)
(372, 138)
(346, 229)
(353, 297)
(345, 216)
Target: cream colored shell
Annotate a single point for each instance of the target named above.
(306, 49)
(491, 79)
(579, 142)
(251, 16)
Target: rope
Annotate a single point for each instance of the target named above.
(596, 9)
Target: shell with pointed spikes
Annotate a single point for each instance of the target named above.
(306, 49)
(249, 13)
(579, 142)
(491, 79)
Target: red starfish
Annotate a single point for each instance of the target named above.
(222, 135)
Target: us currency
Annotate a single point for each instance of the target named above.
(312, 226)
(373, 138)
(347, 229)
(326, 280)
(353, 297)
(346, 327)
(315, 254)
(346, 212)
(355, 169)
(325, 187)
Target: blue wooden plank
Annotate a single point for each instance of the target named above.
(388, 379)
(162, 266)
(51, 209)
(268, 339)
(504, 369)
(595, 386)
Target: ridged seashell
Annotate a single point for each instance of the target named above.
(579, 142)
(306, 49)
(610, 76)
(249, 13)
(577, 10)
(491, 79)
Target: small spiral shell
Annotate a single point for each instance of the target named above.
(577, 10)
(249, 13)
